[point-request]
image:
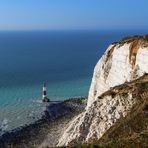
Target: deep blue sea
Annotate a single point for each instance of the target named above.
(64, 59)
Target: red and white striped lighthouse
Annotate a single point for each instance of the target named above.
(44, 93)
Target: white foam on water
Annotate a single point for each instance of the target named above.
(4, 124)
(38, 101)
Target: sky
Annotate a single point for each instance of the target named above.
(73, 14)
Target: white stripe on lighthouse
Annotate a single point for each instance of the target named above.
(43, 96)
(44, 88)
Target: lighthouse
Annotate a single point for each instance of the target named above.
(44, 93)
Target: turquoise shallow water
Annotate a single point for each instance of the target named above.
(64, 59)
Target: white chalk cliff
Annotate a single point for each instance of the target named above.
(123, 61)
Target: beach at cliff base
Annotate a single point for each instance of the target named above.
(48, 129)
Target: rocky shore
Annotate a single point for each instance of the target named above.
(48, 129)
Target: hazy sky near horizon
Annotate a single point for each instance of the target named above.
(73, 14)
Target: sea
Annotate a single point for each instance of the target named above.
(65, 60)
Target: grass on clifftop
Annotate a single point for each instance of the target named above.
(131, 131)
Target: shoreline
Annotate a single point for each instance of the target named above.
(46, 130)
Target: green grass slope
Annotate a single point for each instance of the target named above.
(132, 130)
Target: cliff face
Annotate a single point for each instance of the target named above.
(123, 62)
